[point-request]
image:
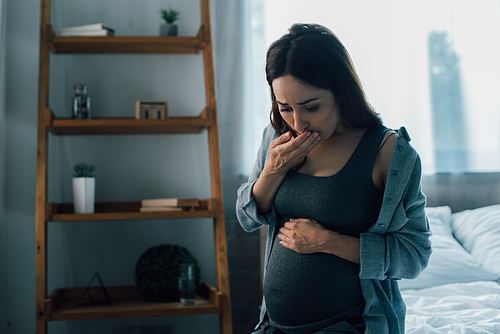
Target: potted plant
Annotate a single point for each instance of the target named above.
(83, 188)
(169, 28)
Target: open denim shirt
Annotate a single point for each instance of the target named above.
(396, 246)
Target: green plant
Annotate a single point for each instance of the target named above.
(83, 170)
(170, 16)
(157, 272)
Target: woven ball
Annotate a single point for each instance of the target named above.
(157, 272)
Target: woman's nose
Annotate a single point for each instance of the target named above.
(301, 122)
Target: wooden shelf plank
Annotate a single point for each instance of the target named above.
(126, 211)
(126, 303)
(126, 44)
(128, 125)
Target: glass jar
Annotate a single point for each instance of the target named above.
(81, 103)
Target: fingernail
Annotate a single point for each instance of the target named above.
(308, 134)
(287, 135)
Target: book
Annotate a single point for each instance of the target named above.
(175, 202)
(96, 26)
(160, 208)
(102, 32)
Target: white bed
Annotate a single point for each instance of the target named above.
(459, 292)
(454, 308)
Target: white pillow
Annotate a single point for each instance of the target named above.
(479, 233)
(441, 212)
(449, 262)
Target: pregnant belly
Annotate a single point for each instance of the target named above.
(304, 288)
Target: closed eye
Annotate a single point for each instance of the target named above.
(312, 108)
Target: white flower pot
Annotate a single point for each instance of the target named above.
(84, 194)
(168, 29)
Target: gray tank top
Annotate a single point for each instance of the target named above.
(306, 288)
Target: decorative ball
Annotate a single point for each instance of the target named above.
(157, 272)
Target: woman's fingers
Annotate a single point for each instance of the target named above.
(281, 139)
(311, 142)
(304, 143)
(301, 235)
(286, 152)
(295, 143)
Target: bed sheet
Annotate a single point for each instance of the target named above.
(463, 308)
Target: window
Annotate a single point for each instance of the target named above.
(430, 65)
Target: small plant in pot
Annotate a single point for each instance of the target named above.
(169, 28)
(83, 188)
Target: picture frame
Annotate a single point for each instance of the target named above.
(151, 109)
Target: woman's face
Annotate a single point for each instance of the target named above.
(305, 108)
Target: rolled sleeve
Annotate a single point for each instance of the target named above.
(246, 207)
(372, 254)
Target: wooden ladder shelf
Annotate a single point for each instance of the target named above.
(61, 303)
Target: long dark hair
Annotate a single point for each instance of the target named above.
(313, 55)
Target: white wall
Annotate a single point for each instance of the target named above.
(21, 118)
(129, 168)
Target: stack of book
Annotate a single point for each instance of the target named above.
(169, 204)
(97, 29)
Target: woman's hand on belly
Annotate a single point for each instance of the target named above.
(306, 236)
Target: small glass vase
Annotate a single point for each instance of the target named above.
(186, 284)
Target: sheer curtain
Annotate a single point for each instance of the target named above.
(3, 239)
(233, 51)
(430, 65)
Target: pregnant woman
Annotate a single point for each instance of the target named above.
(341, 195)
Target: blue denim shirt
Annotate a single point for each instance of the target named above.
(396, 246)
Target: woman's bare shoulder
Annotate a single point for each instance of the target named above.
(383, 159)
